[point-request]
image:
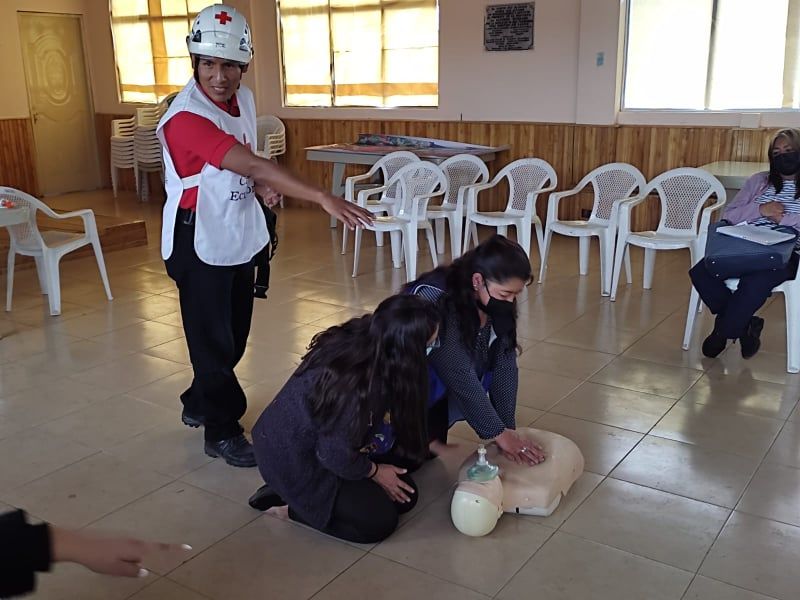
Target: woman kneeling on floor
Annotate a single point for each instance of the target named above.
(767, 198)
(338, 440)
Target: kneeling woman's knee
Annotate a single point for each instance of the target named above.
(379, 524)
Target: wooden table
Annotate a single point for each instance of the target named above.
(733, 174)
(342, 155)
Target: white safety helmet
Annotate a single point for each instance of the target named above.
(221, 31)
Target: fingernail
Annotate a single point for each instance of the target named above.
(143, 573)
(186, 547)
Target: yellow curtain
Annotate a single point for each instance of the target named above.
(381, 53)
(150, 46)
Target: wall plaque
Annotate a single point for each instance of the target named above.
(508, 27)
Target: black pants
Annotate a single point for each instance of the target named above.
(363, 512)
(734, 309)
(216, 308)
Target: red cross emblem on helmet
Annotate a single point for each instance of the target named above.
(223, 17)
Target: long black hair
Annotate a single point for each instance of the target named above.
(497, 259)
(376, 364)
(792, 136)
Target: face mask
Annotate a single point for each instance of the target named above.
(501, 313)
(428, 350)
(787, 163)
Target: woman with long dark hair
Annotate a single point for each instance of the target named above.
(336, 442)
(767, 199)
(473, 372)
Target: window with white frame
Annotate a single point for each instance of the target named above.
(712, 54)
(150, 46)
(376, 53)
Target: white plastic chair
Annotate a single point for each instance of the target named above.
(271, 134)
(416, 184)
(612, 184)
(47, 247)
(791, 292)
(682, 193)
(461, 171)
(387, 166)
(121, 148)
(527, 178)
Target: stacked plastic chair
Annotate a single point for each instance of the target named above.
(146, 148)
(121, 155)
(271, 134)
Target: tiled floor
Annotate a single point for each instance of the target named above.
(692, 485)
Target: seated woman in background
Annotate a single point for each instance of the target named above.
(767, 198)
(474, 368)
(336, 442)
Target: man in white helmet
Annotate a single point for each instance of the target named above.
(213, 226)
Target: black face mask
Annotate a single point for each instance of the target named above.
(501, 313)
(787, 163)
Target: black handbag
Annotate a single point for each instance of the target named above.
(728, 256)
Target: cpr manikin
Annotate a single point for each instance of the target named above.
(490, 484)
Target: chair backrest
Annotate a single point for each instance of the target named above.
(389, 165)
(271, 134)
(682, 193)
(526, 175)
(149, 116)
(123, 127)
(610, 183)
(462, 170)
(25, 235)
(418, 178)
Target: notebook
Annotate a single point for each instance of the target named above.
(753, 233)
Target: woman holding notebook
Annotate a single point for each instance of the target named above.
(767, 198)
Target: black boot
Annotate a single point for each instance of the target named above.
(191, 420)
(714, 344)
(750, 342)
(236, 451)
(265, 498)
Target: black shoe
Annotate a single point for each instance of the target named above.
(265, 498)
(714, 344)
(191, 420)
(236, 451)
(750, 342)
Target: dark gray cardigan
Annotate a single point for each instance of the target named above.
(301, 462)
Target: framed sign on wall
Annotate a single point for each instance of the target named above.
(508, 27)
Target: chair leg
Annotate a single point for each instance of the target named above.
(396, 239)
(41, 272)
(114, 180)
(455, 223)
(628, 275)
(694, 300)
(357, 250)
(523, 236)
(440, 235)
(537, 227)
(548, 238)
(101, 265)
(379, 239)
(10, 278)
(432, 245)
(583, 255)
(606, 262)
(410, 245)
(503, 230)
(344, 240)
(649, 267)
(469, 225)
(51, 260)
(622, 251)
(792, 333)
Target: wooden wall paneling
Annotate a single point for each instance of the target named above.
(18, 155)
